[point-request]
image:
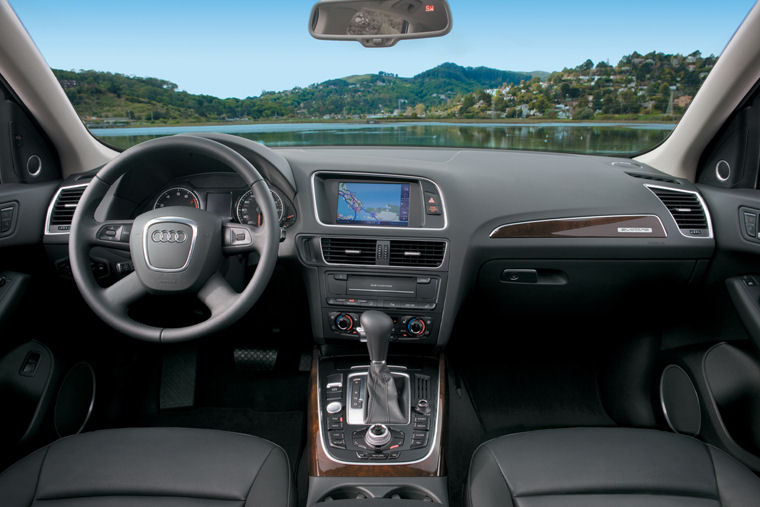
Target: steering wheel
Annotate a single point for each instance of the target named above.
(176, 249)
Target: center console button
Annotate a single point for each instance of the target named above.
(421, 422)
(334, 407)
(335, 422)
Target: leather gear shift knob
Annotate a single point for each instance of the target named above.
(377, 327)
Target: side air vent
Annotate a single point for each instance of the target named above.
(687, 210)
(417, 253)
(653, 177)
(349, 250)
(62, 209)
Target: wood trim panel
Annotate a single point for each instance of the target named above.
(623, 226)
(321, 465)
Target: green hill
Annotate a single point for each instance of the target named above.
(651, 86)
(117, 98)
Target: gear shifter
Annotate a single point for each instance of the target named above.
(383, 398)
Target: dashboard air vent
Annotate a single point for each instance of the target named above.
(653, 177)
(349, 251)
(64, 205)
(687, 210)
(417, 253)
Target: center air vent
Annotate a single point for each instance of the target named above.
(417, 253)
(687, 210)
(348, 250)
(62, 211)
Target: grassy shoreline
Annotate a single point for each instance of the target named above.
(474, 121)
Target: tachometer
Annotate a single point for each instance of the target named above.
(248, 211)
(177, 196)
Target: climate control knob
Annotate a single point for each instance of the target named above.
(416, 327)
(344, 322)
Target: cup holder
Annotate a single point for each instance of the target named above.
(346, 493)
(382, 494)
(411, 493)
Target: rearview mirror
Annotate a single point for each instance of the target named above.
(379, 23)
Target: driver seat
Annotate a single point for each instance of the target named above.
(140, 467)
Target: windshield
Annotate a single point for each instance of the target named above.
(601, 77)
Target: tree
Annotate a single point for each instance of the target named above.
(585, 66)
(467, 102)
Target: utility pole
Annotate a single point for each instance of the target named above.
(670, 101)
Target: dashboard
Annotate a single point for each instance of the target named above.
(417, 231)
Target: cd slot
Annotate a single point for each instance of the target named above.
(377, 286)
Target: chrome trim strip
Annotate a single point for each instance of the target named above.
(701, 202)
(432, 442)
(159, 220)
(52, 205)
(349, 227)
(491, 235)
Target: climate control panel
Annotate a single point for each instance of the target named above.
(405, 327)
(414, 300)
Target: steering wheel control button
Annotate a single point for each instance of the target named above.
(169, 243)
(124, 268)
(115, 232)
(519, 276)
(334, 407)
(239, 236)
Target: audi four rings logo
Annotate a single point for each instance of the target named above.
(168, 236)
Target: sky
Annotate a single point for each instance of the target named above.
(240, 48)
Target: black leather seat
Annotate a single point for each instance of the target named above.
(617, 467)
(151, 467)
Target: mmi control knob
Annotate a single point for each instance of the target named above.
(416, 327)
(344, 322)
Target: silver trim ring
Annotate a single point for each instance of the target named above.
(39, 167)
(159, 220)
(717, 170)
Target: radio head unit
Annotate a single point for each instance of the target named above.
(363, 200)
(363, 203)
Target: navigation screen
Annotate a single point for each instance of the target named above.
(373, 204)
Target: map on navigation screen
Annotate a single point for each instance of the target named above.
(373, 204)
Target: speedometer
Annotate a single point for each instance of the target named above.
(177, 196)
(248, 211)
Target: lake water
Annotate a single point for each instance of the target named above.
(596, 138)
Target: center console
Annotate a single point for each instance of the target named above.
(376, 424)
(366, 259)
(377, 273)
(349, 436)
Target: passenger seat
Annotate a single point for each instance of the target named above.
(620, 467)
